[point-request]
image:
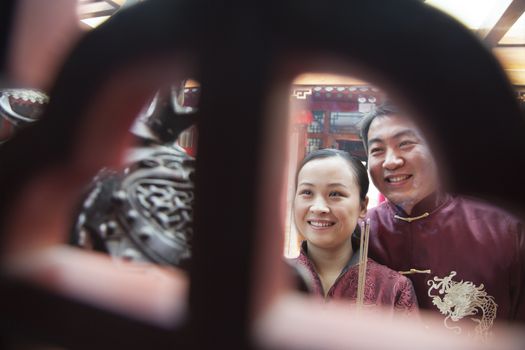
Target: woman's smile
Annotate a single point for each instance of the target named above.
(320, 224)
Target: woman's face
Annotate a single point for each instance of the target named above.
(327, 204)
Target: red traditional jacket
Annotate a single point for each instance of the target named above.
(465, 258)
(383, 286)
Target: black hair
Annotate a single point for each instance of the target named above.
(360, 173)
(385, 109)
(357, 167)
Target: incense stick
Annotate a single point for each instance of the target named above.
(359, 300)
(363, 258)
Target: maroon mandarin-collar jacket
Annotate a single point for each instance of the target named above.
(383, 287)
(465, 257)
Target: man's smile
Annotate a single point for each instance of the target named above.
(397, 179)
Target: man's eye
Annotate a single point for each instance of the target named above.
(375, 150)
(406, 143)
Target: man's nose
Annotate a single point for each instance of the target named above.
(319, 206)
(392, 160)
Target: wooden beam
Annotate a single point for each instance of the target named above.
(336, 136)
(347, 137)
(513, 62)
(98, 14)
(326, 79)
(326, 130)
(116, 3)
(506, 21)
(84, 26)
(511, 45)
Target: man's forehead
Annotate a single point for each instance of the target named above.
(392, 126)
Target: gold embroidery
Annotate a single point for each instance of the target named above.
(410, 219)
(414, 271)
(462, 299)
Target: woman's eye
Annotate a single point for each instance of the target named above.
(305, 192)
(336, 194)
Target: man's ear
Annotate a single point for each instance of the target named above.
(364, 205)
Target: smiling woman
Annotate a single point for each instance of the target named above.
(329, 200)
(325, 112)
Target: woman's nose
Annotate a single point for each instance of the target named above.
(319, 206)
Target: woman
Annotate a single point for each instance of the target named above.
(329, 200)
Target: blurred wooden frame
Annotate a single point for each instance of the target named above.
(237, 273)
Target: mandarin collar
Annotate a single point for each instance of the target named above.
(354, 260)
(429, 204)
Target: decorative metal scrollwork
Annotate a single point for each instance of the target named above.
(143, 213)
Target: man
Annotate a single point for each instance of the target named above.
(465, 257)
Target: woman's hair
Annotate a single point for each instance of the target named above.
(358, 169)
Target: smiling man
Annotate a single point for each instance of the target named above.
(465, 257)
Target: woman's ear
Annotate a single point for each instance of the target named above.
(364, 205)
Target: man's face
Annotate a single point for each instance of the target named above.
(400, 162)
